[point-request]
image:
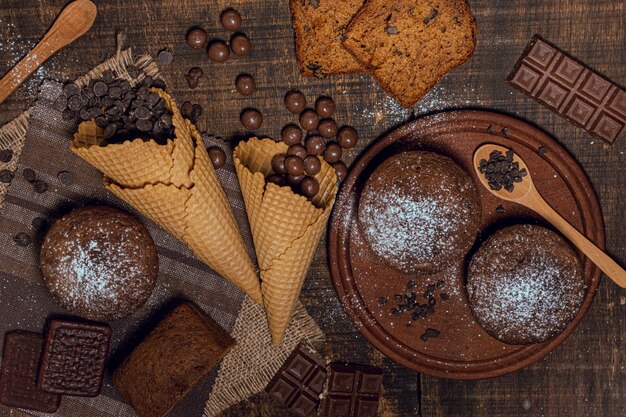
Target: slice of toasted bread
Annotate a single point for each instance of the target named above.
(320, 27)
(409, 45)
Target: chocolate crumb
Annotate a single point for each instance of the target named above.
(430, 332)
(22, 239)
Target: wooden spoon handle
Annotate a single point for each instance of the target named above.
(591, 251)
(73, 22)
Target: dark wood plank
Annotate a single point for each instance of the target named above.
(586, 375)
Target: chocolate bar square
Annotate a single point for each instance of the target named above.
(74, 358)
(18, 378)
(184, 347)
(299, 382)
(570, 89)
(353, 391)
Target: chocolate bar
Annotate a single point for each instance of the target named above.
(299, 383)
(170, 361)
(18, 378)
(74, 358)
(353, 391)
(570, 89)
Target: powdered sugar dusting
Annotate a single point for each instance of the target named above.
(412, 212)
(525, 287)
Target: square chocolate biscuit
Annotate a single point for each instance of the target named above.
(74, 358)
(166, 365)
(18, 378)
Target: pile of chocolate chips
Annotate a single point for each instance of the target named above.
(123, 111)
(501, 171)
(408, 301)
(300, 164)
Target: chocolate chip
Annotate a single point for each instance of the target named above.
(22, 239)
(500, 209)
(115, 92)
(295, 102)
(6, 176)
(29, 175)
(251, 119)
(347, 137)
(444, 296)
(40, 186)
(240, 45)
(38, 223)
(433, 14)
(441, 284)
(217, 156)
(66, 178)
(60, 103)
(333, 152)
(142, 113)
(382, 301)
(432, 301)
(110, 131)
(309, 120)
(68, 115)
(218, 51)
(108, 76)
(309, 187)
(6, 155)
(197, 38)
(144, 125)
(543, 150)
(70, 90)
(325, 107)
(315, 145)
(100, 89)
(231, 20)
(196, 112)
(75, 102)
(327, 128)
(133, 72)
(193, 77)
(398, 297)
(165, 57)
(291, 135)
(490, 130)
(245, 84)
(429, 333)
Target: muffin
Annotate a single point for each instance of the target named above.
(99, 263)
(525, 284)
(419, 212)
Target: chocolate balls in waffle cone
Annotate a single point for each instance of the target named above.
(286, 227)
(176, 186)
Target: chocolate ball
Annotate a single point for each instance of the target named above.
(218, 51)
(315, 145)
(245, 84)
(240, 45)
(291, 135)
(279, 180)
(332, 153)
(197, 38)
(251, 119)
(312, 165)
(294, 179)
(309, 187)
(278, 164)
(347, 137)
(328, 128)
(325, 107)
(341, 169)
(217, 156)
(231, 20)
(297, 150)
(295, 102)
(294, 165)
(309, 120)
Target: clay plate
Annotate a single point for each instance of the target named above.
(462, 350)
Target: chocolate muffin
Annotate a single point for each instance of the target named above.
(525, 284)
(99, 263)
(420, 212)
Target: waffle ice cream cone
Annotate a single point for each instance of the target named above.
(286, 227)
(176, 186)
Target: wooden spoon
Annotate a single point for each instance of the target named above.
(527, 195)
(73, 22)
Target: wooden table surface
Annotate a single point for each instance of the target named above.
(586, 376)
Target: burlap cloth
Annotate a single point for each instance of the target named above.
(40, 140)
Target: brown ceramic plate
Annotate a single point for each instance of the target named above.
(462, 350)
